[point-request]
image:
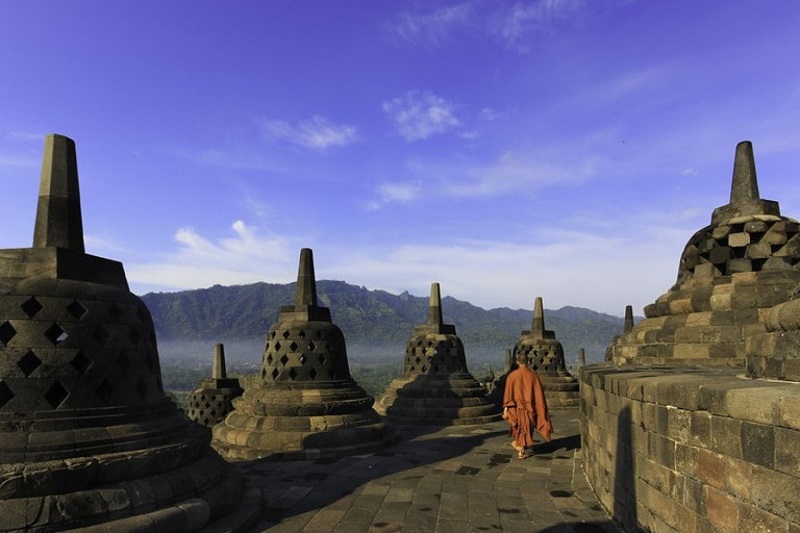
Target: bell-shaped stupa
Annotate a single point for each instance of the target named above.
(306, 405)
(731, 272)
(211, 402)
(88, 439)
(436, 388)
(546, 356)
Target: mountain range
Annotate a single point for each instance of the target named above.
(367, 317)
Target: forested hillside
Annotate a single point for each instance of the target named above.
(365, 316)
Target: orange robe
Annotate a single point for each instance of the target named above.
(527, 408)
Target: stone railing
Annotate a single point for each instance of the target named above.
(692, 449)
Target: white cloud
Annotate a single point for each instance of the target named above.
(395, 192)
(420, 115)
(436, 26)
(25, 136)
(514, 25)
(247, 256)
(316, 133)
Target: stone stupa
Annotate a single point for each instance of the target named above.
(211, 402)
(436, 388)
(546, 355)
(88, 439)
(731, 272)
(306, 404)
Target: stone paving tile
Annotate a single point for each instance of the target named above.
(439, 480)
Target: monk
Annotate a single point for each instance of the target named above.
(524, 407)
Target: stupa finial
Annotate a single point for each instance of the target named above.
(435, 306)
(306, 292)
(744, 185)
(537, 327)
(58, 214)
(218, 370)
(628, 319)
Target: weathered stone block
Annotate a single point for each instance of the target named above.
(726, 436)
(700, 429)
(722, 510)
(758, 444)
(738, 240)
(787, 445)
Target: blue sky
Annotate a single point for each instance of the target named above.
(558, 148)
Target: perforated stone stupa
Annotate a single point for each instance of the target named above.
(546, 356)
(88, 438)
(731, 272)
(211, 402)
(306, 404)
(436, 388)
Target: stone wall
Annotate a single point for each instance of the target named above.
(691, 449)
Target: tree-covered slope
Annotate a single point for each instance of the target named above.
(367, 316)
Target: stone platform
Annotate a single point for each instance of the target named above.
(436, 479)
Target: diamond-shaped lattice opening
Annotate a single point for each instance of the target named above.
(302, 334)
(293, 374)
(424, 351)
(322, 359)
(277, 346)
(31, 306)
(141, 388)
(7, 332)
(285, 334)
(430, 343)
(56, 395)
(328, 347)
(312, 374)
(303, 359)
(270, 359)
(123, 361)
(424, 368)
(275, 374)
(319, 335)
(100, 335)
(114, 311)
(5, 394)
(311, 346)
(76, 309)
(293, 346)
(28, 363)
(134, 336)
(81, 362)
(284, 359)
(105, 390)
(55, 334)
(435, 369)
(263, 373)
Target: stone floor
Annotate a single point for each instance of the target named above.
(457, 479)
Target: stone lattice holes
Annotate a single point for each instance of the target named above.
(88, 439)
(436, 388)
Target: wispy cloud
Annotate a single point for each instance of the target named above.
(315, 133)
(420, 115)
(512, 25)
(24, 136)
(434, 27)
(511, 173)
(395, 192)
(246, 256)
(515, 24)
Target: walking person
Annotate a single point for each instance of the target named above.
(524, 407)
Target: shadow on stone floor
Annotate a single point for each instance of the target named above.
(295, 487)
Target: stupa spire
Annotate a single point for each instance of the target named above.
(744, 185)
(537, 327)
(435, 306)
(218, 370)
(628, 319)
(58, 214)
(306, 292)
